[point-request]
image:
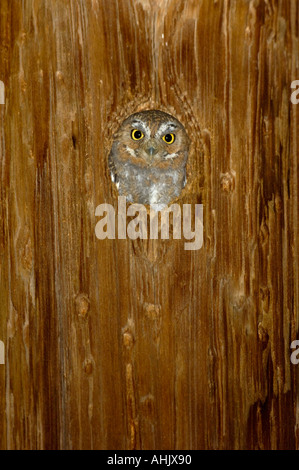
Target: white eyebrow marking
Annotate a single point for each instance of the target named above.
(140, 124)
(166, 126)
(130, 151)
(171, 155)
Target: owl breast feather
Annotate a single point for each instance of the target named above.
(149, 185)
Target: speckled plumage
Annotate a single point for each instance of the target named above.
(149, 170)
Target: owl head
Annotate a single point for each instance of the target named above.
(152, 139)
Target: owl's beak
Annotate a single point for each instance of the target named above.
(151, 151)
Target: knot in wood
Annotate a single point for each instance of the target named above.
(227, 181)
(82, 304)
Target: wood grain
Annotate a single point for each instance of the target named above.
(117, 344)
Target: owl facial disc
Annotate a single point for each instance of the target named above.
(149, 156)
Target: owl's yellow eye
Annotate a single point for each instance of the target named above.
(169, 138)
(136, 134)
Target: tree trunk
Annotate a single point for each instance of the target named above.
(122, 344)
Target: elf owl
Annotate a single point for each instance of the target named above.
(148, 158)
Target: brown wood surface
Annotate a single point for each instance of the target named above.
(117, 344)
